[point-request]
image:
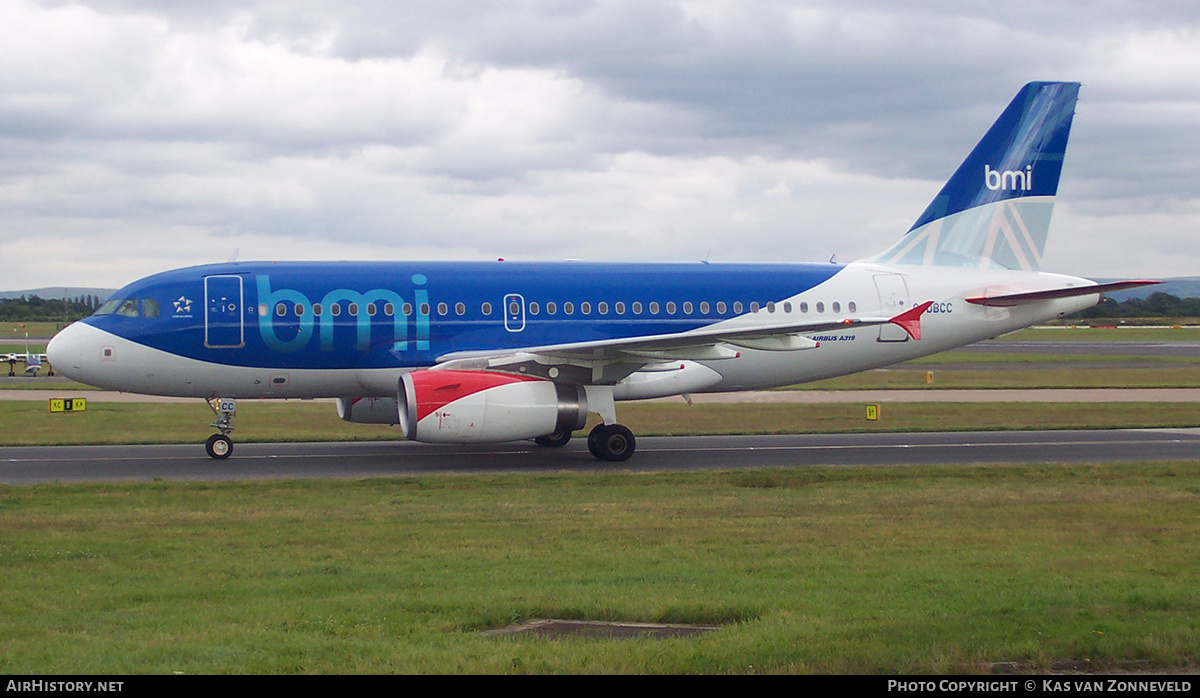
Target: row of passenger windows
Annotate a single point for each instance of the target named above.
(567, 308)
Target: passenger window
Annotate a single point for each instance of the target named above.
(317, 309)
(460, 309)
(371, 309)
(687, 307)
(585, 308)
(551, 308)
(804, 306)
(852, 307)
(424, 308)
(820, 307)
(335, 309)
(533, 308)
(443, 308)
(754, 306)
(654, 307)
(149, 307)
(407, 308)
(737, 307)
(352, 309)
(670, 307)
(568, 308)
(770, 306)
(787, 307)
(280, 309)
(389, 309)
(721, 307)
(637, 307)
(837, 307)
(602, 307)
(262, 309)
(620, 308)
(486, 308)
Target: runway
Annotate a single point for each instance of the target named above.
(33, 465)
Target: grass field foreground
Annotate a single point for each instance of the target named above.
(828, 570)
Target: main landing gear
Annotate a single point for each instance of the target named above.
(219, 445)
(555, 440)
(610, 442)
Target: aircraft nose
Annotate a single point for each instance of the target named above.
(70, 351)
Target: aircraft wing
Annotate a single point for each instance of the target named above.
(1008, 300)
(609, 360)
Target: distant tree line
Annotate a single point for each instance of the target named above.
(1157, 304)
(37, 309)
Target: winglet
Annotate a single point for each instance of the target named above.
(910, 320)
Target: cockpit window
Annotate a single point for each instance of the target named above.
(108, 307)
(149, 307)
(128, 308)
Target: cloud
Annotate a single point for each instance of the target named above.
(140, 136)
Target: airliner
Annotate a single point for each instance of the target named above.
(478, 352)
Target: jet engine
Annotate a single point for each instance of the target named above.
(473, 407)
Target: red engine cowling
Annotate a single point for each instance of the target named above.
(485, 407)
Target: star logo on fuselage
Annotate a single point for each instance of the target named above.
(183, 305)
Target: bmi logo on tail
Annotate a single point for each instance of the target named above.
(1014, 180)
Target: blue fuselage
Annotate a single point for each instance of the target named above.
(354, 315)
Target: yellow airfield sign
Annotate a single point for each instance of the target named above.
(68, 404)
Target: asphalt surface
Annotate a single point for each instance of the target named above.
(30, 465)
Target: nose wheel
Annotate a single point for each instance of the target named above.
(219, 446)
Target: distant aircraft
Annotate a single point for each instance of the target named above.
(33, 362)
(502, 351)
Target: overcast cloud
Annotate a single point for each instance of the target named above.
(139, 136)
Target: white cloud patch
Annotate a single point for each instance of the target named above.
(142, 135)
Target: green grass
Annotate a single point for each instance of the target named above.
(34, 348)
(1008, 358)
(15, 331)
(30, 423)
(808, 570)
(883, 379)
(1103, 334)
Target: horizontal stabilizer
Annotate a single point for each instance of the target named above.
(1009, 300)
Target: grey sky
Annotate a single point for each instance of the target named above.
(142, 136)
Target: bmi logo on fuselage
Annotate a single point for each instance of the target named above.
(1008, 180)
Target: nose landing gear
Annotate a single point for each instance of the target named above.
(219, 445)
